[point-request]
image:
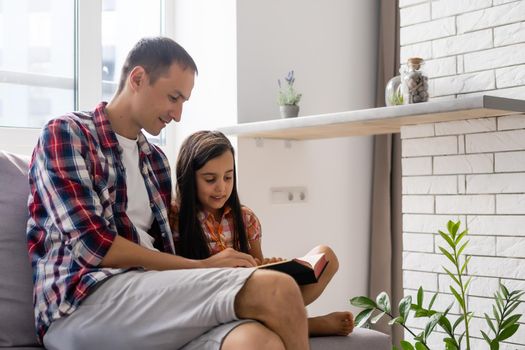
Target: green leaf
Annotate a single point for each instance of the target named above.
(383, 302)
(494, 345)
(491, 325)
(499, 303)
(398, 320)
(465, 288)
(461, 337)
(458, 322)
(432, 301)
(495, 313)
(458, 297)
(461, 235)
(486, 337)
(420, 297)
(464, 267)
(431, 324)
(508, 332)
(511, 320)
(451, 228)
(518, 295)
(362, 317)
(447, 239)
(448, 255)
(455, 228)
(451, 275)
(420, 336)
(510, 309)
(377, 317)
(406, 345)
(363, 302)
(445, 324)
(420, 346)
(404, 306)
(450, 344)
(422, 313)
(504, 289)
(460, 250)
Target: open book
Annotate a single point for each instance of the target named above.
(304, 270)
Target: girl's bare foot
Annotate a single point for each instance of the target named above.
(335, 323)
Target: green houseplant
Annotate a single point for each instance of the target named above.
(502, 322)
(288, 97)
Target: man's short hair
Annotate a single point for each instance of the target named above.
(155, 55)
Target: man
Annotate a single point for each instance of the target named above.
(104, 268)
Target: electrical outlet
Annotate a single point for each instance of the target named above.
(283, 195)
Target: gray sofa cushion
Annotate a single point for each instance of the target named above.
(359, 339)
(16, 287)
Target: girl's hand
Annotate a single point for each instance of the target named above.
(229, 257)
(271, 260)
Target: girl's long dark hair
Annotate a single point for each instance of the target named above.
(195, 152)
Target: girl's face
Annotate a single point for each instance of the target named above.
(215, 182)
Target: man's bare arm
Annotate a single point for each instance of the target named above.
(124, 253)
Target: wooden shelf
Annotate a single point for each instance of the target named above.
(377, 120)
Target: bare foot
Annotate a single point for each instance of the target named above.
(335, 323)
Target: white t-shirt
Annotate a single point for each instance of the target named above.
(138, 210)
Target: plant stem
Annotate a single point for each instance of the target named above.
(405, 327)
(464, 308)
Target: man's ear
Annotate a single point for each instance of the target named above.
(137, 78)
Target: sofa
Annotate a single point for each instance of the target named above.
(16, 310)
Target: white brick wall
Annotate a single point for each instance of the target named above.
(470, 46)
(470, 170)
(474, 171)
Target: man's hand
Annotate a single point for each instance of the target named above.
(229, 257)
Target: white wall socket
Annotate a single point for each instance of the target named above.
(282, 195)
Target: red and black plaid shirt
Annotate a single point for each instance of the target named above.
(77, 206)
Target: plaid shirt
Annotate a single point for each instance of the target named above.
(77, 206)
(223, 229)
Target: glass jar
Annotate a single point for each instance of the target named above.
(393, 94)
(414, 82)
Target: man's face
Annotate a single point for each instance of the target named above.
(157, 104)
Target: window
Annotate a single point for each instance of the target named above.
(36, 61)
(124, 22)
(54, 59)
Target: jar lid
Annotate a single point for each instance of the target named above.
(415, 62)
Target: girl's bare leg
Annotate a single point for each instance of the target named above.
(312, 291)
(335, 323)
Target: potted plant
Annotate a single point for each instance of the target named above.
(502, 322)
(288, 97)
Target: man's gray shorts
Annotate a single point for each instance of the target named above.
(178, 309)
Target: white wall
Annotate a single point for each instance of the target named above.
(335, 71)
(207, 30)
(467, 170)
(471, 47)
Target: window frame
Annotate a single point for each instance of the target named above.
(87, 81)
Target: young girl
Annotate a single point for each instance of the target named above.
(207, 217)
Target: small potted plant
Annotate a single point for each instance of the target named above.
(288, 97)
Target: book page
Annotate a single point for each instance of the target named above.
(311, 259)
